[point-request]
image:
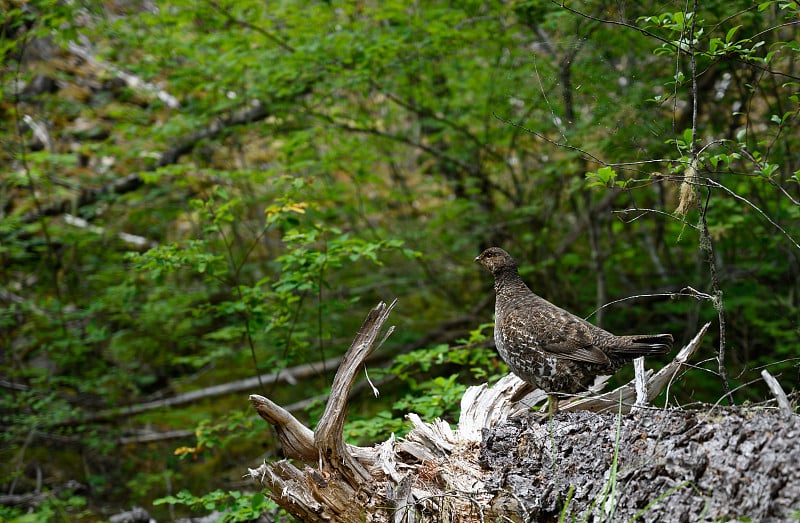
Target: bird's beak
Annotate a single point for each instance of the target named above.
(476, 258)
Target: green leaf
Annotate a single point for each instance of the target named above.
(731, 33)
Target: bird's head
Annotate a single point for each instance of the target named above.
(496, 259)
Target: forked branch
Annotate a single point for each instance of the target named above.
(328, 438)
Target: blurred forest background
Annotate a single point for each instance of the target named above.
(197, 193)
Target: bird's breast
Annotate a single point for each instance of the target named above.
(500, 344)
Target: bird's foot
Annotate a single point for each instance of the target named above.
(552, 409)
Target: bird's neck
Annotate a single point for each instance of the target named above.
(508, 282)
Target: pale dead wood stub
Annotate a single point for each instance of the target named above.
(440, 473)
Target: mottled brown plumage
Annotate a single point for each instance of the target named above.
(549, 347)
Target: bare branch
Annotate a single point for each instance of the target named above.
(585, 153)
(672, 295)
(152, 436)
(714, 183)
(640, 382)
(289, 375)
(642, 211)
(328, 436)
(645, 32)
(296, 439)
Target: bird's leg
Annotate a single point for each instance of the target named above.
(552, 404)
(552, 408)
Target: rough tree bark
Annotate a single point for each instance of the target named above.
(607, 457)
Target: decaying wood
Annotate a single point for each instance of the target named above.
(329, 437)
(655, 466)
(504, 462)
(777, 391)
(334, 490)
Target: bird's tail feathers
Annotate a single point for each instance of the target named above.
(644, 344)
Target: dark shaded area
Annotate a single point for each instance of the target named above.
(671, 466)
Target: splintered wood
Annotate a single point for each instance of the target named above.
(467, 473)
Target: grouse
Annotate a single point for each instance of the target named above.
(549, 347)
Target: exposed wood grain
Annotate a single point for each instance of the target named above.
(328, 437)
(296, 439)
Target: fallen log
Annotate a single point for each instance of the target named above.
(601, 458)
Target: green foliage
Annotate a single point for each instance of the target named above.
(65, 505)
(429, 393)
(605, 177)
(211, 436)
(436, 397)
(233, 505)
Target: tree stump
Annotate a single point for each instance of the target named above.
(602, 458)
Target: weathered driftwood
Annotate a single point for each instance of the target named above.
(505, 463)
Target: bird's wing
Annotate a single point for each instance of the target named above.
(562, 334)
(588, 353)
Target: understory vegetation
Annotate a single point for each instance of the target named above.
(194, 194)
